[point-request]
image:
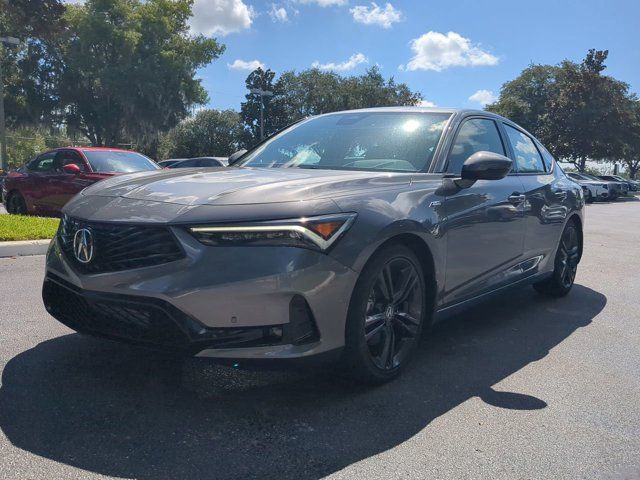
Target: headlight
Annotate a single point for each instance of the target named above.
(317, 233)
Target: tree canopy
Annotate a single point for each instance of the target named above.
(208, 133)
(129, 67)
(312, 92)
(575, 110)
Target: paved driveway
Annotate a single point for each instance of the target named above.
(522, 387)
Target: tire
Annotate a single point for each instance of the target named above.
(565, 266)
(16, 204)
(383, 329)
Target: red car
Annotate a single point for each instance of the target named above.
(46, 183)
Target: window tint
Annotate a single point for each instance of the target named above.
(186, 164)
(528, 159)
(119, 161)
(546, 157)
(209, 162)
(43, 164)
(376, 141)
(67, 157)
(475, 135)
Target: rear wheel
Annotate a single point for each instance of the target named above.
(386, 315)
(566, 264)
(16, 204)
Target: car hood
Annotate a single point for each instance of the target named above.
(243, 186)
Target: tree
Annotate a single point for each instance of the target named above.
(313, 92)
(631, 150)
(29, 70)
(272, 113)
(573, 108)
(208, 133)
(129, 67)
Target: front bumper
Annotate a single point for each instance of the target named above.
(224, 302)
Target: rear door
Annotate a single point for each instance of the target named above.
(34, 188)
(484, 222)
(545, 208)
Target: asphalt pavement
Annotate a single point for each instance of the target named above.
(522, 387)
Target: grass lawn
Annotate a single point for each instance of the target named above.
(19, 227)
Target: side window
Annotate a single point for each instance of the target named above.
(528, 159)
(188, 164)
(65, 157)
(475, 135)
(42, 164)
(547, 158)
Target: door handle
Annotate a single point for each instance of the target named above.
(517, 198)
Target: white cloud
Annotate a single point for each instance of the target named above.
(374, 15)
(483, 97)
(426, 103)
(245, 65)
(353, 61)
(437, 51)
(278, 14)
(324, 3)
(220, 17)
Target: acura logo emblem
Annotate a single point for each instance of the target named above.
(83, 245)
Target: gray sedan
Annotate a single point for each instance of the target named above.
(343, 238)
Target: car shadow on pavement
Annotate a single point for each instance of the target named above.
(126, 412)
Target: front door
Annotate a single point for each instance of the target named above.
(62, 185)
(484, 224)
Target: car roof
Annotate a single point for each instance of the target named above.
(90, 149)
(413, 109)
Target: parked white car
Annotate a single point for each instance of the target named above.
(593, 190)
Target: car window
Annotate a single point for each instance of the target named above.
(119, 161)
(547, 158)
(371, 141)
(209, 162)
(187, 164)
(475, 135)
(528, 159)
(66, 157)
(42, 164)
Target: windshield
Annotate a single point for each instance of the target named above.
(112, 161)
(379, 141)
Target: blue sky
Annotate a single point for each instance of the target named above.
(490, 41)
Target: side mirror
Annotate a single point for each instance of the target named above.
(71, 168)
(485, 166)
(234, 157)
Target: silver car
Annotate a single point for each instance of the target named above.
(341, 238)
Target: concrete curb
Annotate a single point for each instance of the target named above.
(28, 247)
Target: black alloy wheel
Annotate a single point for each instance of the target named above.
(566, 264)
(386, 315)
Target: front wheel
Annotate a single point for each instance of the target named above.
(16, 204)
(386, 314)
(566, 264)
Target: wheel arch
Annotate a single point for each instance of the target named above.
(424, 253)
(577, 221)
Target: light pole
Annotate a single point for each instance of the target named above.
(3, 137)
(262, 93)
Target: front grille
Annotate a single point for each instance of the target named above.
(144, 320)
(120, 246)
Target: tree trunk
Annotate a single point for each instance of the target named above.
(582, 164)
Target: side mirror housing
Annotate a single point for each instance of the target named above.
(485, 166)
(71, 168)
(234, 157)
